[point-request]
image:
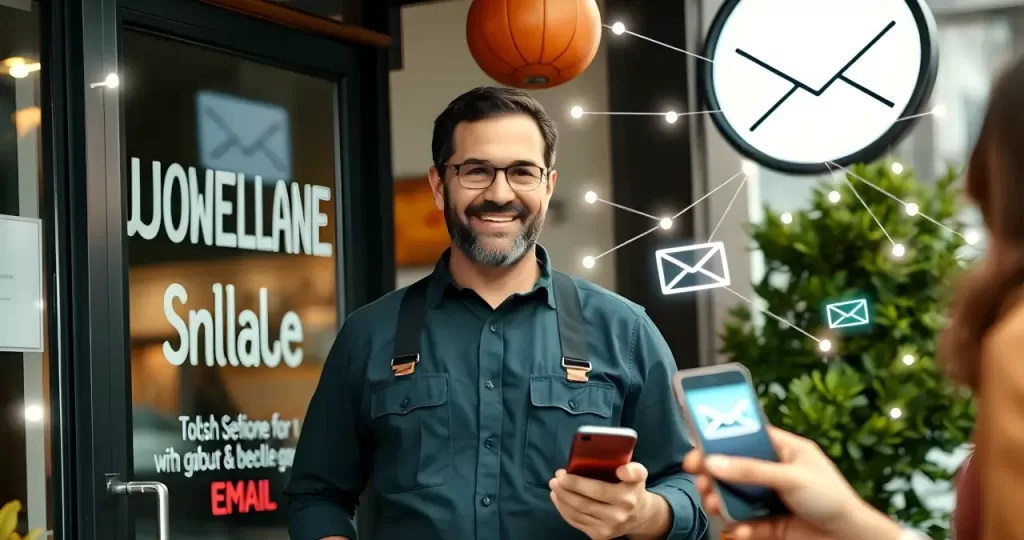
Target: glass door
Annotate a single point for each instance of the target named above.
(232, 150)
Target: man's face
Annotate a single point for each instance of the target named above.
(494, 226)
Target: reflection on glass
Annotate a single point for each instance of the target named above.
(24, 376)
(231, 231)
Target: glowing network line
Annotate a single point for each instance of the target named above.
(912, 209)
(938, 111)
(670, 116)
(619, 29)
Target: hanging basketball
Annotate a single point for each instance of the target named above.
(533, 43)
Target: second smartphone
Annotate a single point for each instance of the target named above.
(725, 417)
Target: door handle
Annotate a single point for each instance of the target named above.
(117, 487)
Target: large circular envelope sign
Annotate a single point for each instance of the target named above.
(800, 85)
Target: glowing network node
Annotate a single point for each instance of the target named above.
(786, 218)
(833, 196)
(972, 237)
(908, 359)
(666, 223)
(912, 209)
(590, 197)
(576, 112)
(588, 262)
(898, 250)
(897, 168)
(671, 117)
(824, 345)
(618, 28)
(939, 111)
(895, 413)
(748, 167)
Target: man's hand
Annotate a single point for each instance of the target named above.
(603, 510)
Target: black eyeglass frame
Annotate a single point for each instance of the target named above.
(540, 181)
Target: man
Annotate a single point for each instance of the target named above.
(454, 402)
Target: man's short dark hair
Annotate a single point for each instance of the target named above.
(486, 102)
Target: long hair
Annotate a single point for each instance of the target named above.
(995, 182)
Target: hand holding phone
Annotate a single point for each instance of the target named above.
(724, 416)
(597, 452)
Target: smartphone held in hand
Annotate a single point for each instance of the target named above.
(598, 451)
(724, 417)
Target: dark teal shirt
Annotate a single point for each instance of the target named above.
(464, 447)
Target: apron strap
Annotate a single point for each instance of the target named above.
(411, 317)
(572, 332)
(571, 328)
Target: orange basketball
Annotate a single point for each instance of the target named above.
(533, 43)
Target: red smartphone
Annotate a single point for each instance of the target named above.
(598, 451)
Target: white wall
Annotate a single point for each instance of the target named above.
(438, 67)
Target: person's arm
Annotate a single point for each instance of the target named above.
(331, 459)
(651, 410)
(1000, 446)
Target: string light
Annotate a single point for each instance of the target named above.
(908, 359)
(824, 345)
(671, 117)
(912, 209)
(588, 262)
(618, 28)
(898, 250)
(590, 197)
(895, 413)
(833, 196)
(666, 223)
(972, 237)
(786, 218)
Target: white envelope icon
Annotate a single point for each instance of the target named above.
(740, 419)
(676, 275)
(850, 313)
(243, 136)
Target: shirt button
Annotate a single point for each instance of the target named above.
(572, 405)
(486, 501)
(489, 385)
(405, 403)
(494, 328)
(489, 443)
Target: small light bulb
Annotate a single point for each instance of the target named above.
(972, 237)
(33, 413)
(671, 117)
(898, 250)
(912, 209)
(824, 345)
(908, 359)
(113, 81)
(895, 413)
(590, 197)
(18, 71)
(666, 223)
(833, 196)
(939, 111)
(576, 112)
(897, 167)
(786, 218)
(618, 28)
(588, 262)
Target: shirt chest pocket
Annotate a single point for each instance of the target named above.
(411, 422)
(557, 409)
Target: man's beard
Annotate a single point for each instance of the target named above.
(466, 240)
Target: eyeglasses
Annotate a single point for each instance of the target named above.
(481, 175)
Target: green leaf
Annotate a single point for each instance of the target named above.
(833, 251)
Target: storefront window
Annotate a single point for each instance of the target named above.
(24, 355)
(232, 178)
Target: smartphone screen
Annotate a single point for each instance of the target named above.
(725, 412)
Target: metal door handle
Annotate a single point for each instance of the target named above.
(117, 487)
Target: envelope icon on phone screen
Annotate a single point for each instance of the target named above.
(692, 268)
(846, 314)
(740, 418)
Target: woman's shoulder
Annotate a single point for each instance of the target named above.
(1007, 336)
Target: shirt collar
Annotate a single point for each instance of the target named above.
(441, 280)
